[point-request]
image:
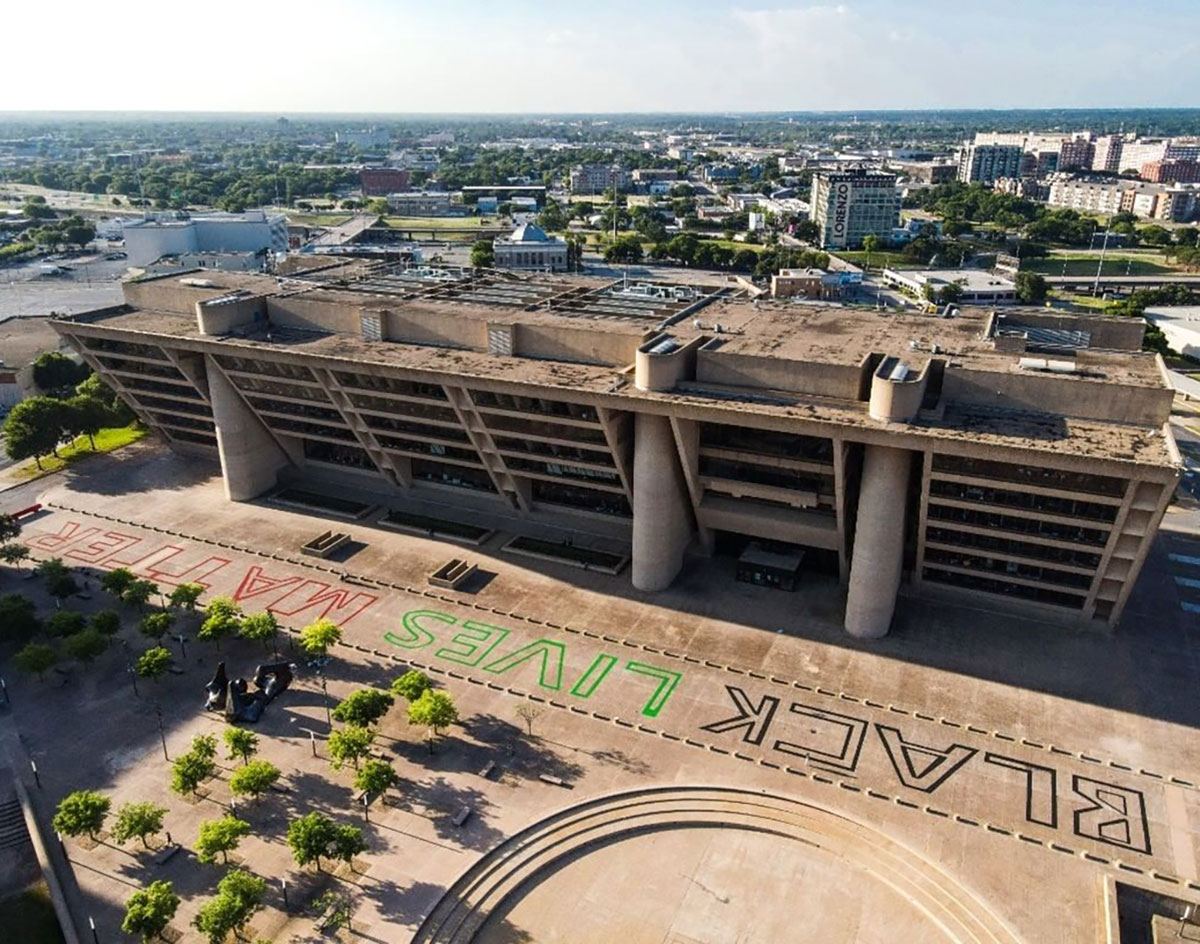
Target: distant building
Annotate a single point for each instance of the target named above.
(1107, 197)
(420, 203)
(985, 163)
(1076, 152)
(978, 286)
(364, 137)
(528, 247)
(380, 181)
(680, 153)
(717, 173)
(488, 204)
(644, 175)
(1107, 153)
(1171, 172)
(790, 283)
(850, 206)
(179, 234)
(599, 178)
(925, 172)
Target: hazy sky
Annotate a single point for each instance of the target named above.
(601, 56)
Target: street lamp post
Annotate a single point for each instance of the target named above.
(325, 698)
(161, 734)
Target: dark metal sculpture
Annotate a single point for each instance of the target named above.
(236, 700)
(217, 689)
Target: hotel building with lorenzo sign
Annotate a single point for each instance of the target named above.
(852, 205)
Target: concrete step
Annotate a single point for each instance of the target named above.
(516, 862)
(12, 825)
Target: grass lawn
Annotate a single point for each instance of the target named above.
(443, 222)
(106, 441)
(29, 917)
(1084, 301)
(879, 259)
(318, 219)
(1086, 265)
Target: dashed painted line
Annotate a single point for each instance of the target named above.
(309, 564)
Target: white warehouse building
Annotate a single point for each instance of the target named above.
(152, 238)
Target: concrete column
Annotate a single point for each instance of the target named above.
(662, 511)
(250, 457)
(878, 542)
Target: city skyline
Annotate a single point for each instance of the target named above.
(397, 57)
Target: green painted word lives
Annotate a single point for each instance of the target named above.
(478, 645)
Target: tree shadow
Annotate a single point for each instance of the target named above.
(406, 906)
(440, 801)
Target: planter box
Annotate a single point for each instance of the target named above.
(452, 574)
(325, 543)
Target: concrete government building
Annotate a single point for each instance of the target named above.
(1019, 460)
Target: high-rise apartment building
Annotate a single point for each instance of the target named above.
(985, 163)
(1020, 461)
(851, 205)
(599, 178)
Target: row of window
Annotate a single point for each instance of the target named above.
(1051, 530)
(1066, 507)
(990, 585)
(991, 565)
(767, 442)
(1030, 475)
(1004, 545)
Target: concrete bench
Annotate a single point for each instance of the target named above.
(488, 769)
(166, 854)
(461, 816)
(554, 781)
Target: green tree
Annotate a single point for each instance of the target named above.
(106, 621)
(870, 243)
(239, 897)
(220, 836)
(1031, 287)
(411, 685)
(139, 592)
(117, 581)
(34, 428)
(18, 618)
(317, 638)
(205, 745)
(65, 623)
(81, 813)
(347, 842)
(137, 821)
(54, 372)
(184, 596)
(13, 553)
(626, 249)
(349, 744)
(222, 618)
(309, 838)
(156, 625)
(85, 646)
(149, 911)
(240, 743)
(254, 778)
(154, 663)
(375, 777)
(189, 771)
(36, 658)
(10, 527)
(363, 707)
(483, 256)
(261, 627)
(434, 711)
(85, 416)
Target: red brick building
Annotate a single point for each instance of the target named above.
(380, 181)
(1171, 172)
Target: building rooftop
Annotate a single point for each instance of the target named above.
(771, 358)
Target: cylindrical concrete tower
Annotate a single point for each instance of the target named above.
(662, 511)
(878, 542)
(250, 458)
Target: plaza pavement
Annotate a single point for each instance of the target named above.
(1024, 762)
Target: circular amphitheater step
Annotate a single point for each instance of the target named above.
(521, 862)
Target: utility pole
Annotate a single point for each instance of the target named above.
(1100, 267)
